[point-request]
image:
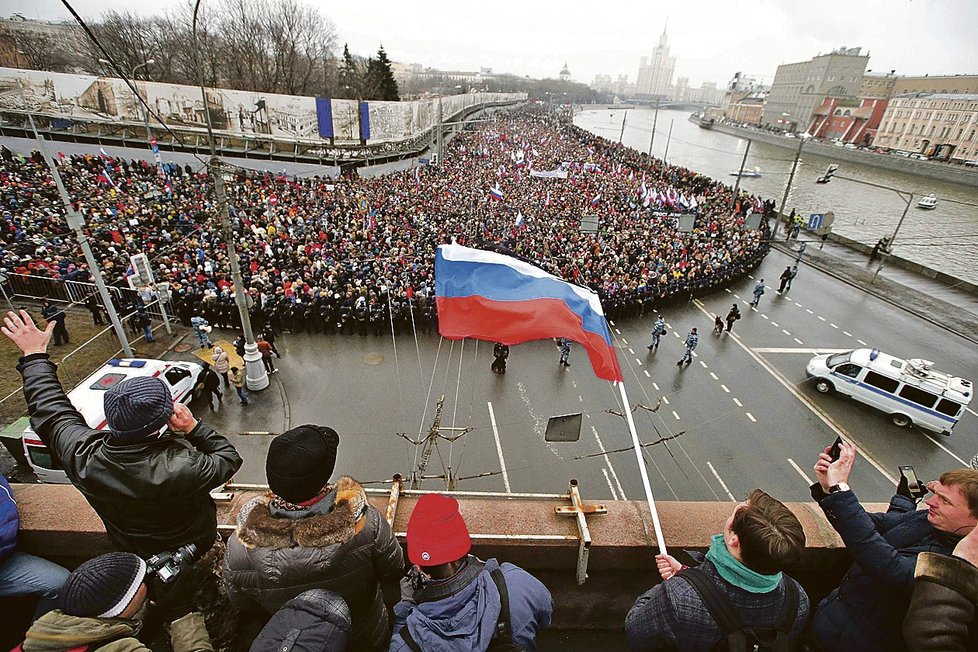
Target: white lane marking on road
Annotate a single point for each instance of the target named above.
(797, 304)
(832, 325)
(737, 295)
(947, 450)
(638, 361)
(675, 415)
(714, 376)
(618, 331)
(611, 322)
(763, 349)
(631, 351)
(763, 315)
(861, 342)
(647, 374)
(775, 324)
(754, 308)
(750, 277)
(665, 400)
(786, 332)
(704, 364)
(656, 387)
(809, 311)
(720, 480)
(608, 462)
(820, 317)
(727, 289)
(799, 341)
(847, 333)
(610, 486)
(808, 481)
(972, 411)
(724, 388)
(737, 401)
(625, 342)
(811, 406)
(499, 448)
(751, 417)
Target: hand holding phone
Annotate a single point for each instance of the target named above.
(909, 485)
(836, 450)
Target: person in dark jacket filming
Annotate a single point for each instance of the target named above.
(149, 476)
(452, 600)
(867, 610)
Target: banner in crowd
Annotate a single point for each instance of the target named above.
(67, 98)
(549, 174)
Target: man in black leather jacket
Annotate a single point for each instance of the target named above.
(149, 475)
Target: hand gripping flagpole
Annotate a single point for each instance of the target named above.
(641, 469)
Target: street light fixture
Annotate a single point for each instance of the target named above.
(256, 376)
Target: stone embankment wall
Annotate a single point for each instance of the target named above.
(57, 523)
(928, 169)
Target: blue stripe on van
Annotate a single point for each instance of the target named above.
(916, 406)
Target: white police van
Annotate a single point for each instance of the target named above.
(910, 391)
(88, 399)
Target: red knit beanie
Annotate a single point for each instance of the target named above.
(436, 532)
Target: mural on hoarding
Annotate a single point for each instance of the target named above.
(106, 99)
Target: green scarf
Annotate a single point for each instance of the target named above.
(736, 573)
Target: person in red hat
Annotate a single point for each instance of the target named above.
(452, 600)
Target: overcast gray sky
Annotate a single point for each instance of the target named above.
(711, 39)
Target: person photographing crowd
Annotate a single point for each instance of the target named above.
(866, 612)
(149, 476)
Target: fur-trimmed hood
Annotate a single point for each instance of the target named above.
(259, 528)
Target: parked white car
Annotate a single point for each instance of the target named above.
(88, 399)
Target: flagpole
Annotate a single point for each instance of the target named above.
(641, 469)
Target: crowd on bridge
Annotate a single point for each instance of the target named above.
(304, 567)
(351, 253)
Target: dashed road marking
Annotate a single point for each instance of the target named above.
(714, 376)
(675, 415)
(861, 342)
(607, 461)
(499, 448)
(832, 325)
(727, 290)
(656, 387)
(704, 364)
(631, 351)
(809, 311)
(797, 304)
(614, 495)
(618, 331)
(624, 341)
(763, 315)
(665, 400)
(972, 411)
(647, 374)
(737, 401)
(820, 317)
(737, 295)
(796, 350)
(720, 480)
(724, 388)
(785, 332)
(751, 417)
(847, 333)
(947, 450)
(750, 277)
(640, 363)
(808, 481)
(799, 341)
(775, 324)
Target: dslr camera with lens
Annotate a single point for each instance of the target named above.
(164, 568)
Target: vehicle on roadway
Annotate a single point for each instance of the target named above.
(910, 391)
(928, 203)
(88, 399)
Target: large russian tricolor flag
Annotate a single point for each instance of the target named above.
(492, 297)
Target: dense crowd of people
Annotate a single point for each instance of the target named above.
(353, 254)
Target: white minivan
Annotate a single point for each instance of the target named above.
(88, 399)
(910, 391)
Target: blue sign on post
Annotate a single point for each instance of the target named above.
(815, 221)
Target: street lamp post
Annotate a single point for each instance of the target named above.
(787, 187)
(76, 222)
(256, 376)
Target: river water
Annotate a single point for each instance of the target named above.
(945, 239)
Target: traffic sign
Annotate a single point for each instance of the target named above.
(815, 221)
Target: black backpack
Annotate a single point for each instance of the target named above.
(502, 640)
(736, 637)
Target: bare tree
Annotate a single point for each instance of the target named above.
(42, 52)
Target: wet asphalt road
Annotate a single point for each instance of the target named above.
(744, 412)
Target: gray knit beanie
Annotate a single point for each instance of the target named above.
(102, 587)
(137, 407)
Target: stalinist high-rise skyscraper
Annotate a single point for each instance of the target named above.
(655, 77)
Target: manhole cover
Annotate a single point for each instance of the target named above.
(373, 358)
(182, 348)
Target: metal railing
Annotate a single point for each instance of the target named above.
(30, 286)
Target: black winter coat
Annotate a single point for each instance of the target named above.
(270, 559)
(941, 617)
(153, 496)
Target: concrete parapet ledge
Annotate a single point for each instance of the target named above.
(57, 523)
